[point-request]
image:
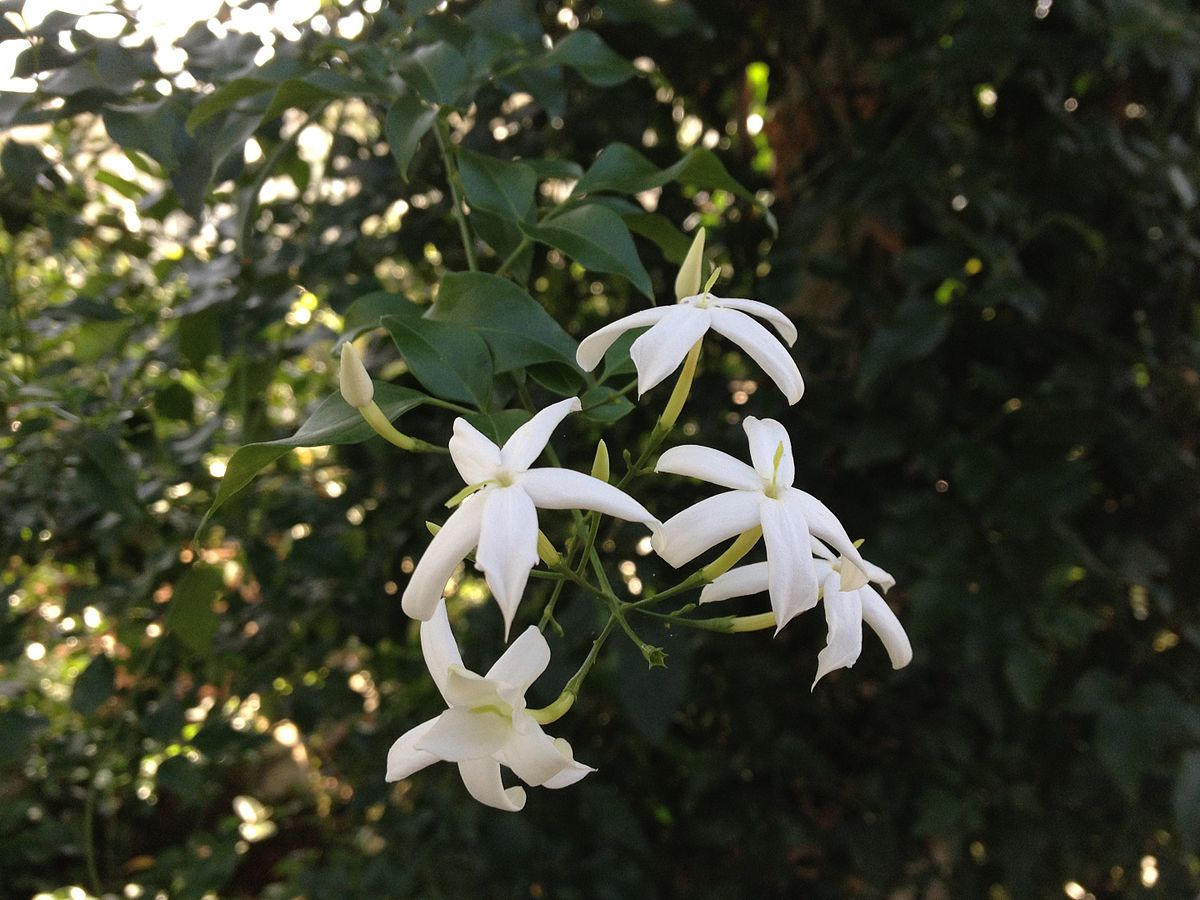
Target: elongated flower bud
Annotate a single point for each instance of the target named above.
(357, 389)
(600, 466)
(687, 282)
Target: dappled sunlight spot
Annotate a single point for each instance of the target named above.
(1149, 873)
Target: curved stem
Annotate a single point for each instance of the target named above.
(442, 132)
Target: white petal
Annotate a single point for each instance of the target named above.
(593, 347)
(740, 582)
(843, 613)
(883, 621)
(533, 756)
(821, 551)
(880, 576)
(404, 758)
(764, 348)
(465, 688)
(825, 525)
(765, 436)
(457, 538)
(572, 773)
(568, 489)
(475, 457)
(507, 546)
(689, 533)
(658, 352)
(525, 659)
(439, 647)
(792, 574)
(459, 734)
(528, 441)
(781, 322)
(709, 465)
(482, 778)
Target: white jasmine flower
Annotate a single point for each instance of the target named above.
(500, 516)
(674, 330)
(486, 725)
(849, 601)
(761, 496)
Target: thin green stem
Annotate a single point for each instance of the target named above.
(512, 258)
(441, 131)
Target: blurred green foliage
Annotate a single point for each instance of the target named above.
(987, 232)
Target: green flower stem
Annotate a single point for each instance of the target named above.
(512, 258)
(722, 624)
(731, 557)
(441, 131)
(384, 428)
(683, 387)
(89, 839)
(566, 699)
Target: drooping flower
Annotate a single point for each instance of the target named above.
(500, 517)
(486, 725)
(674, 330)
(762, 495)
(849, 601)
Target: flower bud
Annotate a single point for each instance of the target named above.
(600, 467)
(687, 282)
(357, 389)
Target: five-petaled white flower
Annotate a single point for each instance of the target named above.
(500, 518)
(486, 725)
(849, 601)
(760, 496)
(674, 330)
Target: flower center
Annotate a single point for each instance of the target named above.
(772, 490)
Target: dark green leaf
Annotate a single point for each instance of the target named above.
(225, 97)
(366, 312)
(437, 72)
(334, 422)
(16, 731)
(106, 472)
(517, 329)
(498, 186)
(499, 426)
(305, 93)
(662, 231)
(915, 331)
(191, 616)
(604, 405)
(93, 686)
(407, 121)
(586, 53)
(621, 169)
(597, 239)
(449, 361)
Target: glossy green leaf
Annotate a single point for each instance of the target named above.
(407, 122)
(437, 72)
(450, 361)
(498, 186)
(621, 169)
(368, 310)
(225, 97)
(662, 231)
(597, 239)
(334, 422)
(517, 329)
(586, 53)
